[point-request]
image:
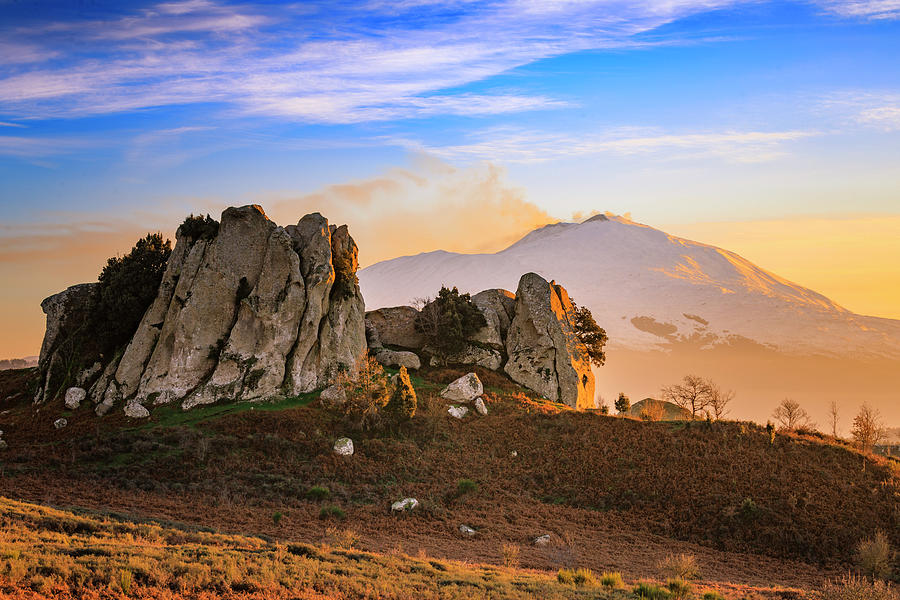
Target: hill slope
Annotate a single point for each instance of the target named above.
(613, 493)
(650, 290)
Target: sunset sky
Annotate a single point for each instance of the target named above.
(769, 128)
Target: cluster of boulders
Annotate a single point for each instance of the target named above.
(529, 335)
(253, 312)
(464, 390)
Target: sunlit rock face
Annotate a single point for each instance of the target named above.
(544, 352)
(251, 313)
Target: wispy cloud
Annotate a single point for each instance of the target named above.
(875, 110)
(866, 9)
(518, 146)
(331, 63)
(26, 147)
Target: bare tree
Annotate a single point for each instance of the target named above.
(692, 394)
(790, 415)
(868, 430)
(833, 417)
(719, 400)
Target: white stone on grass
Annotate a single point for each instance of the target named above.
(74, 397)
(465, 389)
(480, 407)
(542, 540)
(466, 530)
(135, 410)
(60, 423)
(458, 412)
(405, 505)
(343, 446)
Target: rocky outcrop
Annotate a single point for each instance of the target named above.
(394, 326)
(498, 307)
(68, 343)
(251, 312)
(473, 354)
(544, 352)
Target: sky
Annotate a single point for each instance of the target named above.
(768, 128)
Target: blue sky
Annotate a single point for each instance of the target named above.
(122, 116)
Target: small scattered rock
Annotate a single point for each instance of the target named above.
(465, 389)
(102, 408)
(513, 454)
(60, 423)
(333, 395)
(458, 412)
(542, 540)
(135, 410)
(405, 505)
(74, 397)
(480, 407)
(343, 446)
(466, 530)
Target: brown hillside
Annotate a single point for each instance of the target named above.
(613, 493)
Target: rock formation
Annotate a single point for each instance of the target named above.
(544, 352)
(252, 312)
(530, 335)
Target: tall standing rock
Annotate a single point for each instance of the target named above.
(544, 352)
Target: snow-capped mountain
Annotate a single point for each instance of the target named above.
(649, 290)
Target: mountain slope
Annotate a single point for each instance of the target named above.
(650, 290)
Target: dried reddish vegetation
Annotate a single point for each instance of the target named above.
(614, 494)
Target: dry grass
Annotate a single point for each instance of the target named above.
(49, 553)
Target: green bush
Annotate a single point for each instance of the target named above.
(612, 580)
(650, 591)
(448, 321)
(128, 285)
(466, 486)
(566, 576)
(332, 512)
(584, 577)
(874, 556)
(590, 334)
(276, 518)
(678, 588)
(318, 492)
(402, 405)
(199, 228)
(712, 595)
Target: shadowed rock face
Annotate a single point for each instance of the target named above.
(246, 315)
(544, 352)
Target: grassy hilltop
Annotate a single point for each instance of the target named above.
(249, 482)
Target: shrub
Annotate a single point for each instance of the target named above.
(199, 228)
(366, 396)
(590, 334)
(748, 510)
(125, 580)
(679, 566)
(712, 595)
(622, 403)
(678, 588)
(566, 576)
(612, 580)
(318, 492)
(584, 577)
(342, 538)
(652, 410)
(874, 556)
(448, 321)
(128, 285)
(402, 405)
(650, 591)
(510, 555)
(852, 587)
(466, 486)
(276, 518)
(332, 512)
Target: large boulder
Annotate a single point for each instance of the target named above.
(465, 389)
(544, 352)
(249, 312)
(398, 358)
(74, 397)
(395, 326)
(472, 354)
(498, 308)
(69, 342)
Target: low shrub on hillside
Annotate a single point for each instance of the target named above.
(874, 556)
(510, 555)
(318, 492)
(679, 566)
(612, 580)
(678, 588)
(850, 587)
(332, 512)
(576, 577)
(448, 321)
(712, 595)
(466, 486)
(650, 591)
